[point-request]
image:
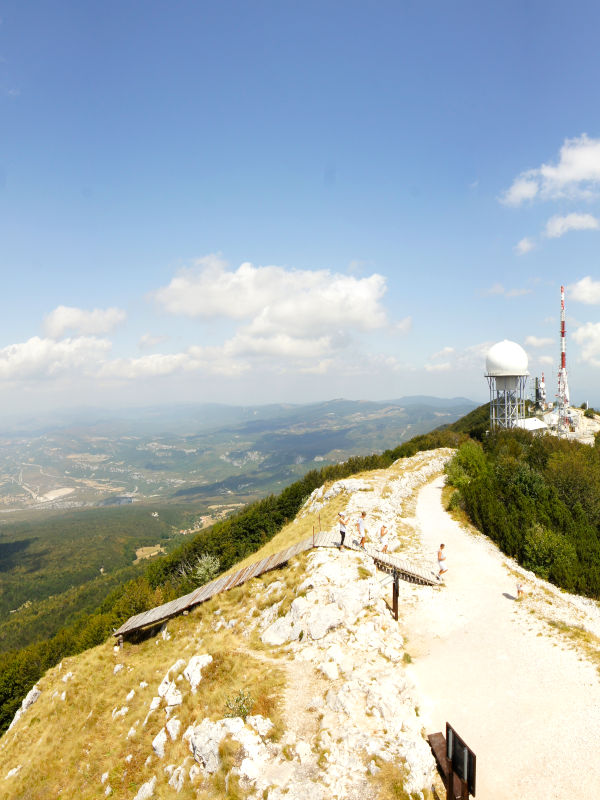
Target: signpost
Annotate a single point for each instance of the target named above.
(460, 761)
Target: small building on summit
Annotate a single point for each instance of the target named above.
(506, 373)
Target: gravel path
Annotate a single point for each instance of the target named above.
(524, 698)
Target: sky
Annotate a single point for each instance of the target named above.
(255, 202)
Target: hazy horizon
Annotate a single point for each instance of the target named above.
(284, 203)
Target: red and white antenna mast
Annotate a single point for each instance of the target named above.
(563, 385)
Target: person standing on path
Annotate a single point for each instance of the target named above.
(342, 520)
(360, 527)
(442, 561)
(384, 538)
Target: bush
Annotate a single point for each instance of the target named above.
(240, 705)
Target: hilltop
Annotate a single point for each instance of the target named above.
(299, 684)
(293, 684)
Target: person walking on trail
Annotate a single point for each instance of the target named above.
(384, 538)
(360, 527)
(442, 561)
(342, 520)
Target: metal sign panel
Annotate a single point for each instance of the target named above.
(462, 758)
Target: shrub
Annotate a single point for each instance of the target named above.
(240, 705)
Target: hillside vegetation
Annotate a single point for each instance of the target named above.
(57, 565)
(538, 498)
(230, 541)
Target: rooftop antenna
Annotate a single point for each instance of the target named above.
(562, 395)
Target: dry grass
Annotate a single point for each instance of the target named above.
(70, 766)
(302, 527)
(390, 780)
(580, 637)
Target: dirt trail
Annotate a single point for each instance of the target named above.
(525, 700)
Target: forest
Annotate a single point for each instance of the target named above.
(229, 540)
(538, 498)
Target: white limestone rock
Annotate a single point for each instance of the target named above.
(173, 727)
(177, 779)
(193, 671)
(173, 696)
(204, 741)
(322, 620)
(118, 668)
(104, 778)
(261, 725)
(12, 772)
(146, 790)
(300, 790)
(130, 695)
(304, 752)
(330, 670)
(283, 630)
(29, 699)
(170, 677)
(159, 742)
(116, 713)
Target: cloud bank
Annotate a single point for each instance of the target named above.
(576, 174)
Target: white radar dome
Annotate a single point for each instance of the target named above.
(506, 358)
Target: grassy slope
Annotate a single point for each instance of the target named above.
(98, 743)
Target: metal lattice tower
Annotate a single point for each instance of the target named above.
(562, 395)
(506, 373)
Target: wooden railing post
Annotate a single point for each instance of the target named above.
(449, 780)
(396, 592)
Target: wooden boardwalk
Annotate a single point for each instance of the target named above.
(386, 562)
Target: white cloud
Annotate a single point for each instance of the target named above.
(526, 245)
(275, 298)
(404, 325)
(147, 341)
(46, 358)
(153, 366)
(445, 351)
(498, 289)
(68, 318)
(588, 337)
(586, 290)
(546, 360)
(576, 174)
(471, 358)
(444, 366)
(538, 341)
(295, 319)
(523, 188)
(558, 226)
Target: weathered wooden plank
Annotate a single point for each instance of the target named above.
(437, 742)
(384, 561)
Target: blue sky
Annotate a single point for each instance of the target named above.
(275, 201)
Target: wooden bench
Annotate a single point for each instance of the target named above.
(437, 742)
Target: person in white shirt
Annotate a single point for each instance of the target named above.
(360, 527)
(342, 520)
(442, 561)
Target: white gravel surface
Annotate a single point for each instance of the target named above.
(521, 694)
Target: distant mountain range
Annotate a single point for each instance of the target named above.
(206, 452)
